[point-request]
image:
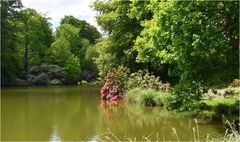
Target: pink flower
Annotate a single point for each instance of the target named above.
(102, 91)
(114, 98)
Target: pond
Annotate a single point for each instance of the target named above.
(69, 113)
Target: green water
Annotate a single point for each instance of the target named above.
(76, 113)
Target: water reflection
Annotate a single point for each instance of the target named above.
(55, 136)
(77, 113)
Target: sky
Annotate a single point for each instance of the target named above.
(57, 9)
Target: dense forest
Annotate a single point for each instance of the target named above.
(179, 41)
(32, 54)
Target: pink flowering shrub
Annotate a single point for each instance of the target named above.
(119, 81)
(114, 86)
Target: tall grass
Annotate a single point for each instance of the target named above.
(231, 135)
(147, 97)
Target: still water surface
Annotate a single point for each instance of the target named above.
(69, 113)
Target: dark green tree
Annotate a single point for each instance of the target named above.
(87, 31)
(34, 37)
(10, 62)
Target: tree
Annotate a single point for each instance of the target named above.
(122, 32)
(9, 58)
(86, 30)
(71, 34)
(34, 37)
(60, 54)
(195, 37)
(72, 67)
(81, 36)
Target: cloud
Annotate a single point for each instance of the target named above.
(57, 9)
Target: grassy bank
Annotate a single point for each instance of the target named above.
(211, 107)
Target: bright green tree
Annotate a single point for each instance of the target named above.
(72, 67)
(197, 38)
(71, 34)
(60, 54)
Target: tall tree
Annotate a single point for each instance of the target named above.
(71, 34)
(81, 36)
(122, 31)
(87, 31)
(34, 37)
(9, 57)
(60, 54)
(198, 38)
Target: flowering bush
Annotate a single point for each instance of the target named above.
(145, 80)
(114, 86)
(119, 80)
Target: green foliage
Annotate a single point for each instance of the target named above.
(187, 97)
(72, 68)
(144, 80)
(226, 107)
(91, 53)
(162, 99)
(86, 30)
(60, 54)
(34, 37)
(231, 92)
(81, 35)
(147, 97)
(199, 43)
(106, 59)
(10, 60)
(132, 95)
(71, 34)
(122, 30)
(89, 69)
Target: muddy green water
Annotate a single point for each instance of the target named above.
(70, 113)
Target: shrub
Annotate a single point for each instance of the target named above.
(42, 79)
(114, 86)
(161, 99)
(55, 72)
(147, 97)
(133, 94)
(144, 80)
(72, 68)
(44, 74)
(187, 97)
